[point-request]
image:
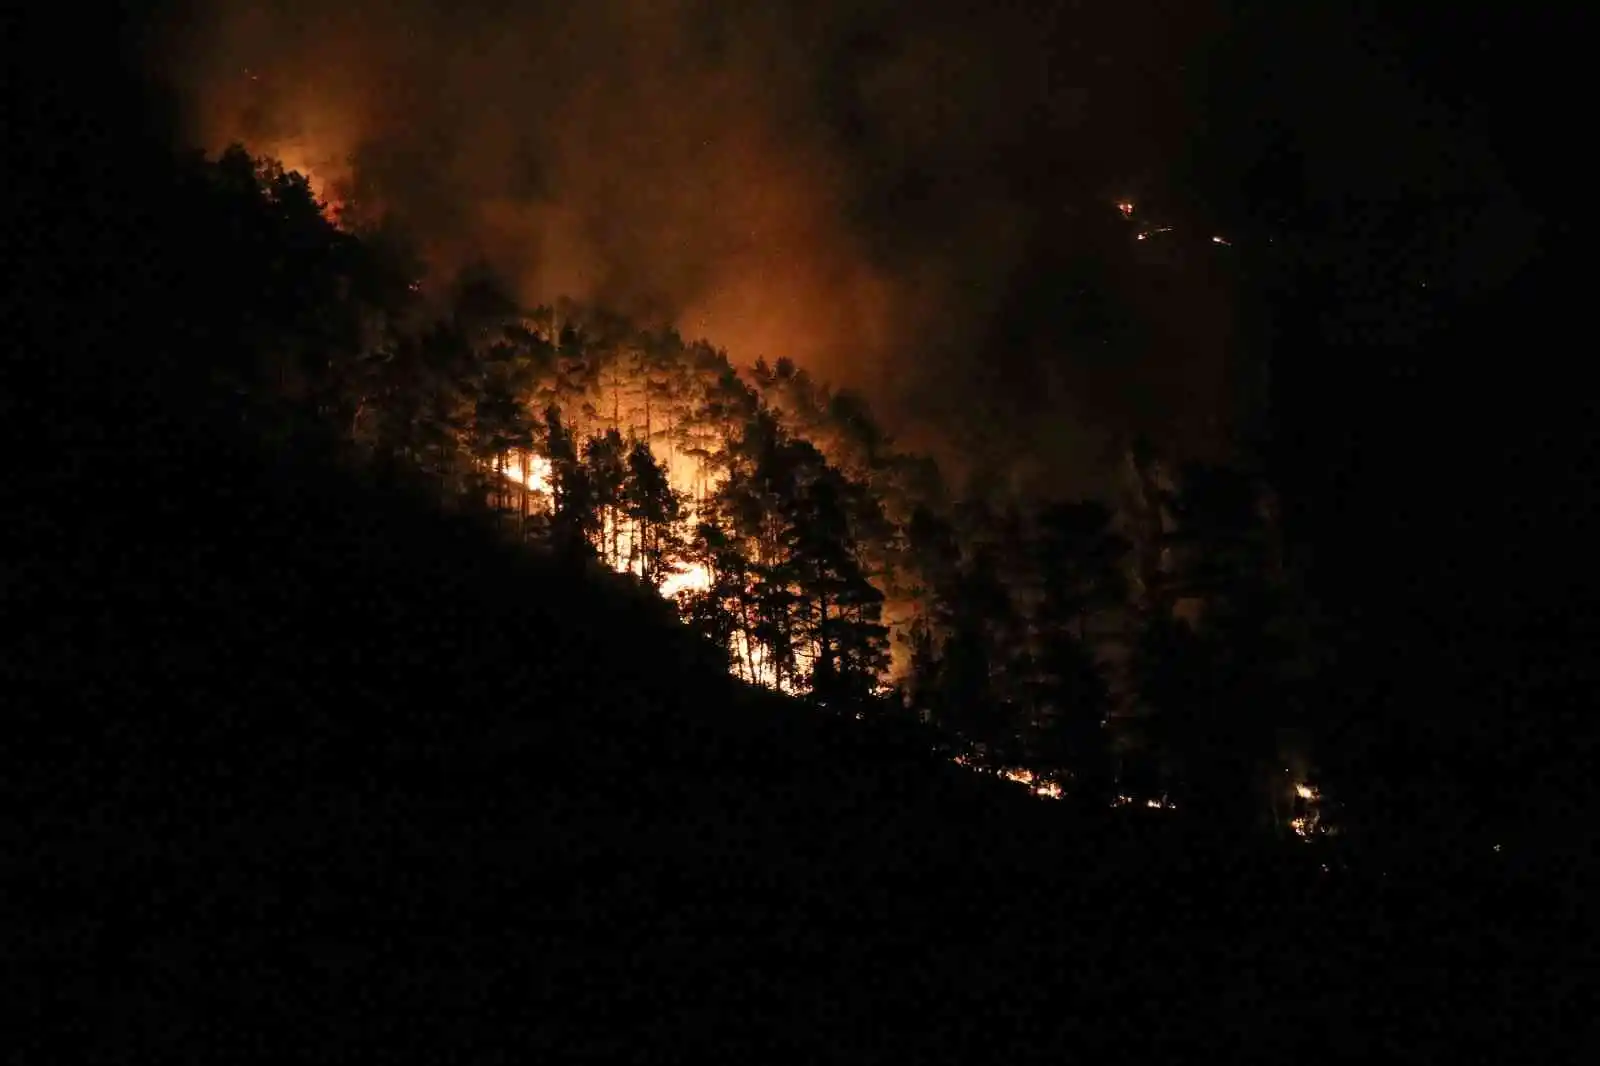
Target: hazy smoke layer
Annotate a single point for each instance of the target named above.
(894, 195)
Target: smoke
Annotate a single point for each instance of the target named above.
(892, 195)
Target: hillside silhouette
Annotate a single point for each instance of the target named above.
(311, 769)
(304, 766)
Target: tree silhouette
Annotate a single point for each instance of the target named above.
(574, 522)
(1079, 561)
(655, 510)
(820, 545)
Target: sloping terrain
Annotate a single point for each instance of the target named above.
(306, 769)
(299, 769)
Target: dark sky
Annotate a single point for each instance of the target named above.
(915, 199)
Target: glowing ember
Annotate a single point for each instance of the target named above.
(1126, 207)
(1305, 791)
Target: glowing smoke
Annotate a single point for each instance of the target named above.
(870, 189)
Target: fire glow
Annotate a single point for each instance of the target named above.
(750, 660)
(534, 473)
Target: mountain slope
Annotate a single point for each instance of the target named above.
(311, 769)
(300, 768)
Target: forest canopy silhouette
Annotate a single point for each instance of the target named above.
(1091, 649)
(403, 659)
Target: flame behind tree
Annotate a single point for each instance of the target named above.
(808, 609)
(787, 527)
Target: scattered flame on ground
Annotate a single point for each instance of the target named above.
(1039, 786)
(1309, 824)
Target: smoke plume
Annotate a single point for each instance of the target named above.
(898, 197)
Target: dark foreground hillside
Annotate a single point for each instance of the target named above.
(302, 770)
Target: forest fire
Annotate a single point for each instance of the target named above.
(691, 578)
(324, 187)
(478, 666)
(778, 517)
(683, 579)
(534, 473)
(690, 487)
(1039, 786)
(528, 470)
(1307, 821)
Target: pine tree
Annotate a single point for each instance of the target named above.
(655, 511)
(572, 517)
(721, 611)
(1219, 674)
(842, 610)
(605, 462)
(1078, 564)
